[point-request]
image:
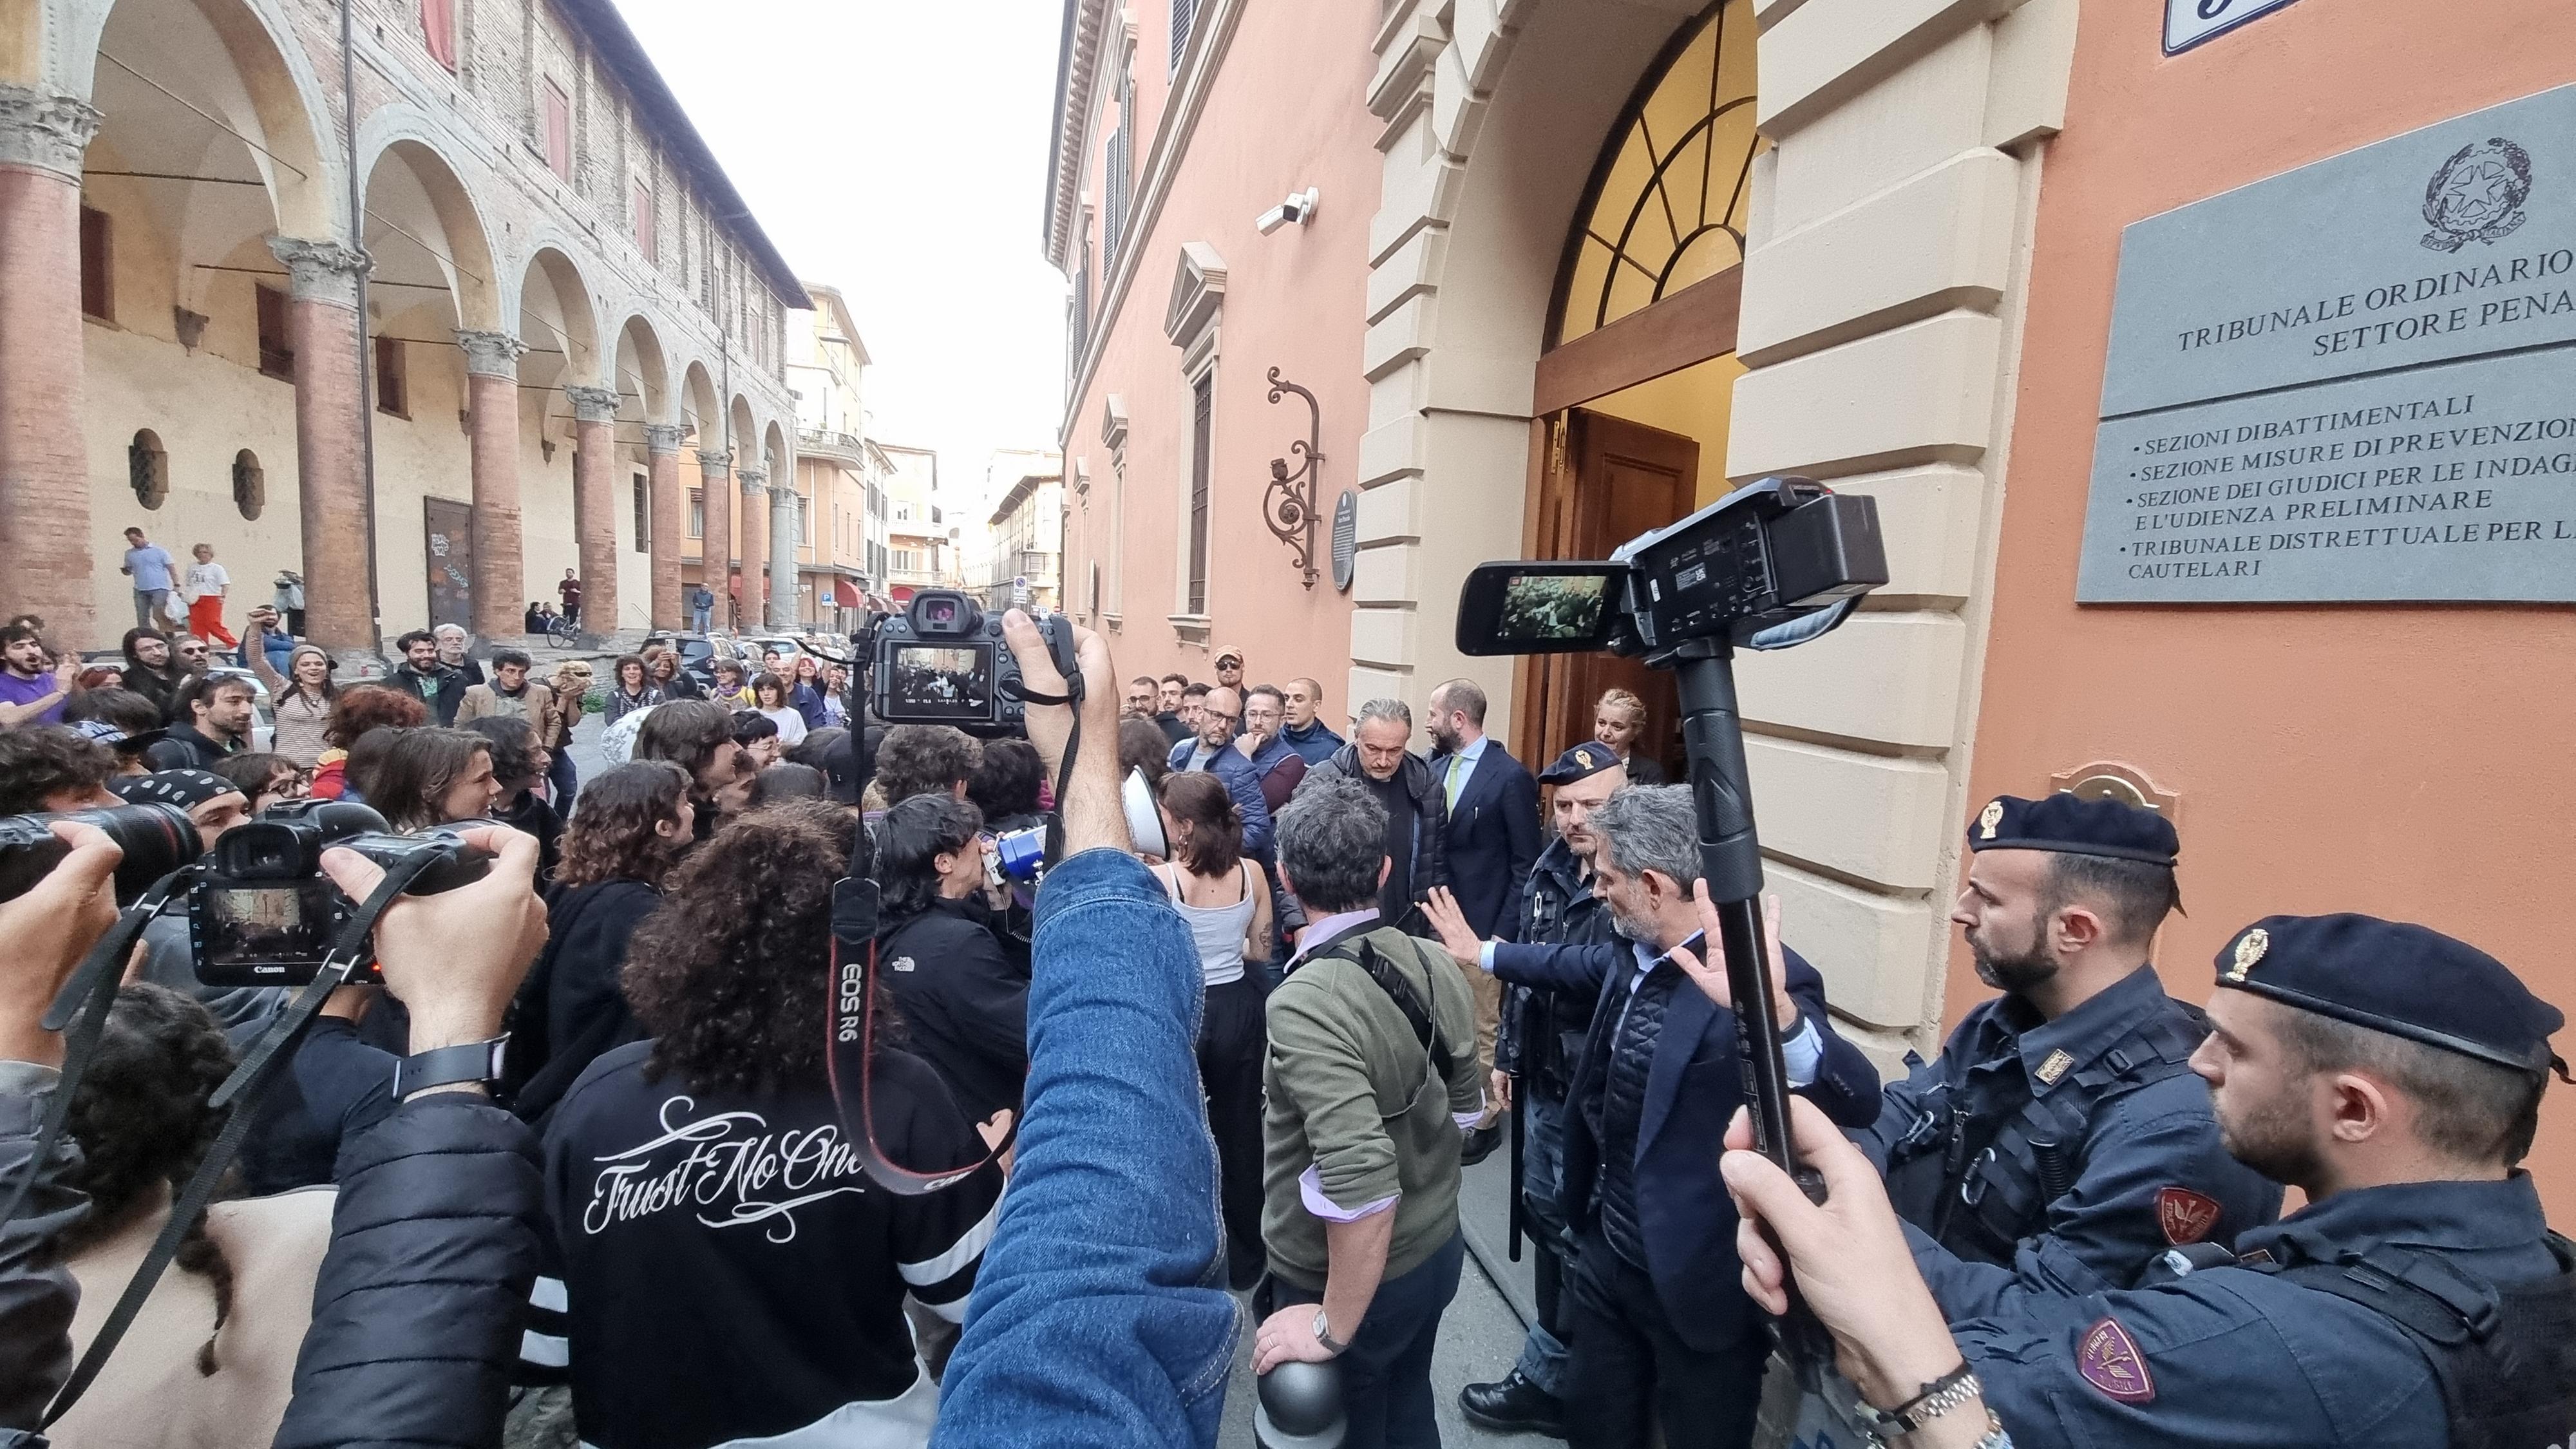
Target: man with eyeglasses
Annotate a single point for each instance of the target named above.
(1211, 749)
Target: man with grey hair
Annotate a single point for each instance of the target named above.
(1658, 1309)
(1370, 1076)
(451, 640)
(1409, 796)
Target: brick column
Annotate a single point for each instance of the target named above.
(330, 451)
(594, 504)
(755, 552)
(782, 554)
(45, 541)
(662, 447)
(715, 550)
(492, 399)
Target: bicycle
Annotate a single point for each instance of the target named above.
(562, 632)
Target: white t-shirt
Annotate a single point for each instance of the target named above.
(205, 579)
(791, 726)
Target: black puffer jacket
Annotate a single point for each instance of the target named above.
(1430, 866)
(419, 1307)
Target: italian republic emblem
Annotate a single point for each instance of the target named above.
(2477, 195)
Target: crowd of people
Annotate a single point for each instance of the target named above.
(589, 1166)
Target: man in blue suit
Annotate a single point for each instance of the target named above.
(1212, 749)
(1660, 1320)
(1490, 842)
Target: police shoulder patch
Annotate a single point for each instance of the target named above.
(2185, 1216)
(2109, 1360)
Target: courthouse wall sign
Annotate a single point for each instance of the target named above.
(2351, 381)
(2189, 22)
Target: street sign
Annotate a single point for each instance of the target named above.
(2189, 22)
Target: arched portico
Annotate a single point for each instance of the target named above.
(781, 463)
(646, 411)
(705, 418)
(560, 320)
(751, 517)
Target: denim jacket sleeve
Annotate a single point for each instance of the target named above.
(1100, 1316)
(37, 1294)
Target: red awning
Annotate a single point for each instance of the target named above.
(902, 594)
(846, 594)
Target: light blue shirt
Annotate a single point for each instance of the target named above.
(151, 566)
(1802, 1054)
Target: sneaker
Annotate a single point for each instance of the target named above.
(1513, 1406)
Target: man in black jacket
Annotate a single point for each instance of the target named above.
(213, 714)
(965, 1006)
(1663, 1330)
(426, 679)
(1417, 811)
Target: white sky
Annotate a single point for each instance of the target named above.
(898, 151)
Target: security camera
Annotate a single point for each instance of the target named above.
(1299, 207)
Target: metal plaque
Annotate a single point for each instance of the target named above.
(1346, 538)
(2352, 381)
(2189, 22)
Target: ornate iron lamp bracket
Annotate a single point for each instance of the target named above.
(1290, 505)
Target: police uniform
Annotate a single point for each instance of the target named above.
(2062, 1154)
(1539, 1045)
(2412, 1316)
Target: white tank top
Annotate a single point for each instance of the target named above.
(1218, 930)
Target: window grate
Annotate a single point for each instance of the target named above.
(1203, 407)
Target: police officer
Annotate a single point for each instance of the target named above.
(2394, 1075)
(1535, 1053)
(2061, 1139)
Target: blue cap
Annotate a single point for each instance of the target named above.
(2070, 824)
(1581, 762)
(2405, 980)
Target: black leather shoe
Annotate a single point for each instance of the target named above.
(1514, 1406)
(1481, 1142)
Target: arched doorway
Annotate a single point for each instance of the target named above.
(1632, 394)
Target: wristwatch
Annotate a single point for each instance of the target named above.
(473, 1061)
(1324, 1334)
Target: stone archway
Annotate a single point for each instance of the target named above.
(713, 510)
(780, 462)
(646, 409)
(751, 514)
(571, 520)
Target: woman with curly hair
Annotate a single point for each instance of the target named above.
(697, 736)
(706, 1197)
(357, 711)
(633, 690)
(635, 822)
(211, 1358)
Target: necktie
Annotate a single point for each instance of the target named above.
(1457, 775)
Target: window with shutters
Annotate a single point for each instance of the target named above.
(1185, 13)
(556, 114)
(697, 513)
(98, 264)
(1202, 434)
(276, 334)
(438, 27)
(1115, 162)
(393, 380)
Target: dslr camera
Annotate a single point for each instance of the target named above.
(943, 661)
(262, 913)
(1772, 563)
(156, 839)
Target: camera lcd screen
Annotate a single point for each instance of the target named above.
(243, 928)
(1552, 608)
(930, 681)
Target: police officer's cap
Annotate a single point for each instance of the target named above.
(2405, 980)
(1579, 763)
(2072, 825)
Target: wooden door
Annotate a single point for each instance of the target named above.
(449, 529)
(1600, 481)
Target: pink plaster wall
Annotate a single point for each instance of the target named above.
(1287, 111)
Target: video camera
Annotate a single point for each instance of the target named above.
(943, 661)
(262, 913)
(1775, 563)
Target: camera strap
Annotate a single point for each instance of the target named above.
(242, 1091)
(82, 1006)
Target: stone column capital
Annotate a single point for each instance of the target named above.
(661, 438)
(45, 130)
(715, 462)
(593, 404)
(322, 271)
(491, 354)
(753, 480)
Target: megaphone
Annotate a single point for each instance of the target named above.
(1299, 1406)
(1144, 820)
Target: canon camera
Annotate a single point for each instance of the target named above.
(262, 913)
(943, 661)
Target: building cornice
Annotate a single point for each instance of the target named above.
(1077, 71)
